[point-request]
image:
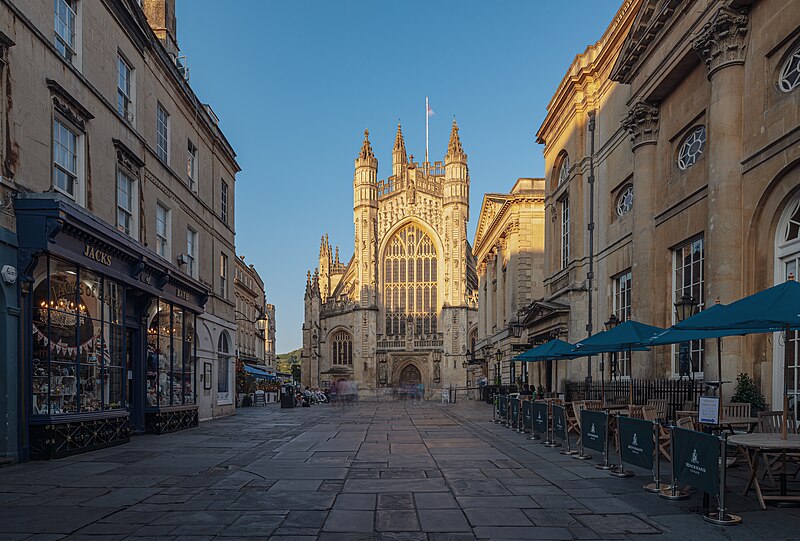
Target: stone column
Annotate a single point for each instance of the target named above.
(721, 45)
(501, 288)
(481, 301)
(642, 124)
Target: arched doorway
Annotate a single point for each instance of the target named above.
(787, 264)
(410, 375)
(224, 371)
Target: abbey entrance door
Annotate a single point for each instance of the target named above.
(410, 375)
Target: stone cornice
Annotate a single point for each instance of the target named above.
(723, 40)
(641, 123)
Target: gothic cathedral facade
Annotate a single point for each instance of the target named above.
(403, 310)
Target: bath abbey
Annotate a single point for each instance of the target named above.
(403, 310)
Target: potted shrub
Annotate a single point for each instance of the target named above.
(540, 392)
(748, 392)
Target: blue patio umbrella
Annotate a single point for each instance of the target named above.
(627, 336)
(774, 309)
(553, 350)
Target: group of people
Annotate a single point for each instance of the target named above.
(310, 396)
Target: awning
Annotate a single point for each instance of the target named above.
(258, 372)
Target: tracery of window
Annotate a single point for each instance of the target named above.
(793, 224)
(625, 200)
(692, 148)
(409, 276)
(342, 348)
(563, 170)
(790, 74)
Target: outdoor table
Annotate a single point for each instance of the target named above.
(754, 445)
(730, 422)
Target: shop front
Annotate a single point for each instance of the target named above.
(108, 334)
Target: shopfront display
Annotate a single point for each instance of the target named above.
(109, 334)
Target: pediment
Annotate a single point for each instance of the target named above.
(539, 311)
(490, 209)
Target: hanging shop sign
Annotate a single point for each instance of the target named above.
(636, 441)
(695, 459)
(593, 429)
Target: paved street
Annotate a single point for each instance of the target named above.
(373, 471)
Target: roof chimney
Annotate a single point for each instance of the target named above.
(161, 16)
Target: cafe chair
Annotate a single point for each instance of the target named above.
(649, 414)
(689, 405)
(687, 423)
(661, 406)
(771, 422)
(573, 423)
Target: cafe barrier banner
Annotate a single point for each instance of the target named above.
(593, 429)
(636, 441)
(503, 401)
(695, 458)
(527, 414)
(559, 423)
(540, 417)
(515, 411)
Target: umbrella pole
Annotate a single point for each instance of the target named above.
(602, 383)
(719, 369)
(630, 379)
(784, 425)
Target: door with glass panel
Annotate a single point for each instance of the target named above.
(787, 266)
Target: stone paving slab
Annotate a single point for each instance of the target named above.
(388, 471)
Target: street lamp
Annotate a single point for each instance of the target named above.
(499, 356)
(685, 308)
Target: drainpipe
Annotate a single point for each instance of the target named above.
(590, 274)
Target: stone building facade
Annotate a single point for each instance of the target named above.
(401, 310)
(117, 194)
(509, 251)
(251, 306)
(697, 188)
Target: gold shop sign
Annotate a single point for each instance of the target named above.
(181, 294)
(98, 255)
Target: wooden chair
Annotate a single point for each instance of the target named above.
(649, 414)
(635, 412)
(686, 422)
(594, 405)
(736, 409)
(689, 405)
(573, 422)
(661, 405)
(771, 422)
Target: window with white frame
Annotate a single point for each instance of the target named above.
(162, 231)
(126, 203)
(563, 170)
(223, 212)
(65, 25)
(223, 276)
(124, 89)
(191, 252)
(162, 133)
(689, 279)
(65, 159)
(622, 309)
(692, 148)
(191, 166)
(790, 73)
(625, 200)
(564, 232)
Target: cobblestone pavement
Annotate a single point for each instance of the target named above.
(373, 471)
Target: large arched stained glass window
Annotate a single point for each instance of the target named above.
(342, 348)
(409, 278)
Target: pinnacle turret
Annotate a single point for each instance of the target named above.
(399, 158)
(366, 148)
(455, 152)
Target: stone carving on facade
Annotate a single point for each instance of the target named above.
(641, 123)
(723, 40)
(437, 371)
(383, 372)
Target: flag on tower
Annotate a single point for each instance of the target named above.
(429, 110)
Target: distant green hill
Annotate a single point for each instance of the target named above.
(286, 360)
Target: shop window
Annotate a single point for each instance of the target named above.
(692, 148)
(223, 369)
(78, 341)
(170, 355)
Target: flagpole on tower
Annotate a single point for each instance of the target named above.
(427, 115)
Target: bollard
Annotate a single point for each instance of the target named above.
(672, 492)
(656, 485)
(722, 518)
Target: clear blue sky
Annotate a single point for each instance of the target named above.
(295, 83)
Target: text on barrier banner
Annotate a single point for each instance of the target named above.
(636, 441)
(527, 414)
(559, 423)
(540, 417)
(695, 458)
(593, 429)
